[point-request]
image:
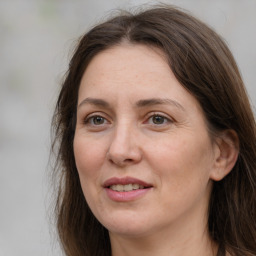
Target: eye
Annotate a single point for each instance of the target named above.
(158, 119)
(95, 120)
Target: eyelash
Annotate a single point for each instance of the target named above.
(89, 120)
(165, 119)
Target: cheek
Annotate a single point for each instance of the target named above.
(183, 173)
(89, 157)
(183, 163)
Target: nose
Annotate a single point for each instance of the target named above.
(124, 147)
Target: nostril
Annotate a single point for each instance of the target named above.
(111, 161)
(121, 162)
(121, 156)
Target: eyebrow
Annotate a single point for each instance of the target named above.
(159, 101)
(96, 102)
(140, 103)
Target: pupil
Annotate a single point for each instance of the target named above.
(98, 120)
(158, 119)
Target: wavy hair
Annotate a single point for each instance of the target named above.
(203, 64)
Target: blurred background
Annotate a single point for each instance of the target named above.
(36, 41)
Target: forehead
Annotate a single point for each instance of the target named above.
(129, 65)
(131, 71)
(128, 58)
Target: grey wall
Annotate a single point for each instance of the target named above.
(35, 42)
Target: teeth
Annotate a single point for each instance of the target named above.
(126, 188)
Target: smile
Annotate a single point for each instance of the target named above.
(126, 188)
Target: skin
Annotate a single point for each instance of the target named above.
(173, 152)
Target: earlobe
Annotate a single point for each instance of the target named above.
(228, 150)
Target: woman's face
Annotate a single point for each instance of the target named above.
(141, 145)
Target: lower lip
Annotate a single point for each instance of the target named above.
(126, 196)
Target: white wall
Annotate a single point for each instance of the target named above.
(35, 39)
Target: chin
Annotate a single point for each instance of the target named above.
(126, 225)
(129, 231)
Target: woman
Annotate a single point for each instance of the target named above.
(156, 142)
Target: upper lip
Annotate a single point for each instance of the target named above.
(125, 181)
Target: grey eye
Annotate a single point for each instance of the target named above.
(158, 119)
(97, 120)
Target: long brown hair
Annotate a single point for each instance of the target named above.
(203, 64)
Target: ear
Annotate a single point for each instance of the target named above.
(227, 144)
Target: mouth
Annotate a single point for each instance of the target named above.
(126, 188)
(126, 184)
